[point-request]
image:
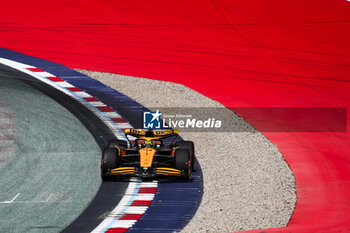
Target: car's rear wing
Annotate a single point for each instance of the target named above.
(160, 133)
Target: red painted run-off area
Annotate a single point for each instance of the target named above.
(267, 53)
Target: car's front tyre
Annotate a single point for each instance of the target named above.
(189, 145)
(110, 160)
(183, 162)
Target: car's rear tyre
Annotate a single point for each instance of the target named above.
(189, 145)
(116, 142)
(110, 160)
(182, 162)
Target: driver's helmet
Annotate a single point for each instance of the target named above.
(156, 144)
(151, 144)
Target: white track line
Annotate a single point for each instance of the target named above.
(12, 200)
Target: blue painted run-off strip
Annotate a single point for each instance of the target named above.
(175, 202)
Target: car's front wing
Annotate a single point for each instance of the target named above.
(148, 172)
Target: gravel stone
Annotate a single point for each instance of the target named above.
(247, 183)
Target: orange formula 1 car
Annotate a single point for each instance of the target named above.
(148, 156)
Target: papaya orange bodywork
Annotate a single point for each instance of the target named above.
(146, 157)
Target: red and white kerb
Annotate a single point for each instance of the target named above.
(133, 205)
(139, 195)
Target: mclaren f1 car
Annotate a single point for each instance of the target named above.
(148, 155)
